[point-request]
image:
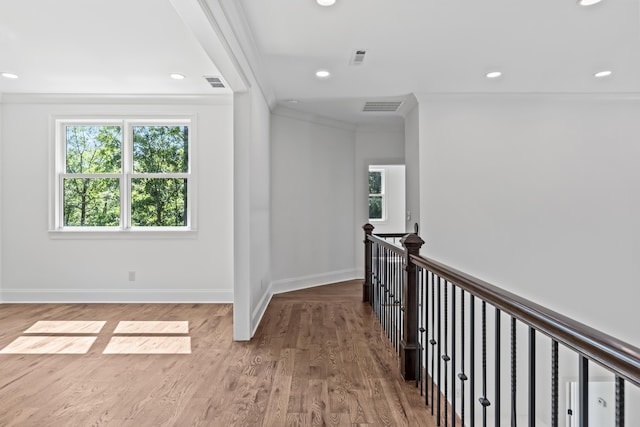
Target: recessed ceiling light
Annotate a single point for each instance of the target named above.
(494, 74)
(323, 74)
(9, 75)
(176, 76)
(292, 101)
(605, 73)
(326, 2)
(588, 2)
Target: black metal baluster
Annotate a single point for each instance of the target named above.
(554, 383)
(453, 355)
(513, 373)
(425, 322)
(497, 368)
(619, 402)
(462, 375)
(439, 316)
(583, 390)
(532, 377)
(386, 292)
(472, 359)
(433, 328)
(392, 299)
(420, 328)
(483, 399)
(378, 290)
(445, 357)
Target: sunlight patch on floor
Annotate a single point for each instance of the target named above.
(152, 327)
(149, 345)
(49, 345)
(66, 327)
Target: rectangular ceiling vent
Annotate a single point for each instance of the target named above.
(358, 57)
(382, 106)
(215, 82)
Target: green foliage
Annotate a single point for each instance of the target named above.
(158, 202)
(375, 182)
(160, 149)
(91, 202)
(375, 207)
(155, 201)
(94, 149)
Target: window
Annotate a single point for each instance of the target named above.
(123, 175)
(376, 195)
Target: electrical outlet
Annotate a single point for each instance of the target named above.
(132, 276)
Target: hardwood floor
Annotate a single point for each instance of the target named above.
(318, 358)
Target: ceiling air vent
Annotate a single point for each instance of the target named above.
(382, 106)
(215, 82)
(358, 57)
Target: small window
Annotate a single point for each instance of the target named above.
(122, 175)
(376, 195)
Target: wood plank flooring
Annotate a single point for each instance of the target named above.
(318, 359)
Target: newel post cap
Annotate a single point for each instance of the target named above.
(411, 241)
(368, 228)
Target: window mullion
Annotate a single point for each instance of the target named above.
(127, 170)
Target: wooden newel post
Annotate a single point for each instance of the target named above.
(366, 285)
(409, 344)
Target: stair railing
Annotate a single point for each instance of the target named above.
(441, 322)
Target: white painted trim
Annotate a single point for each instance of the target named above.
(314, 118)
(261, 308)
(246, 43)
(381, 128)
(304, 282)
(117, 296)
(408, 105)
(603, 96)
(109, 99)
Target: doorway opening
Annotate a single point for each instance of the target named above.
(387, 198)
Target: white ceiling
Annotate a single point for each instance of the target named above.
(413, 46)
(435, 46)
(99, 46)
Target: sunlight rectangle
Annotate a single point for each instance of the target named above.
(66, 327)
(152, 327)
(49, 345)
(149, 345)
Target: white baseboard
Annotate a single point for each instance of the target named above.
(117, 296)
(261, 308)
(304, 282)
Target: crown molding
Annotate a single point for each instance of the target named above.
(313, 118)
(127, 99)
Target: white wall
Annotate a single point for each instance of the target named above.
(41, 268)
(539, 195)
(312, 206)
(260, 199)
(1, 139)
(412, 171)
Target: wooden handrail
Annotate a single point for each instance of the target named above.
(617, 356)
(391, 235)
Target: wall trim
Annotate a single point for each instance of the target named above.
(225, 98)
(313, 118)
(45, 296)
(261, 308)
(304, 282)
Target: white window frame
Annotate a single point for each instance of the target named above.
(382, 194)
(126, 175)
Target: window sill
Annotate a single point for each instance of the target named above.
(118, 234)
